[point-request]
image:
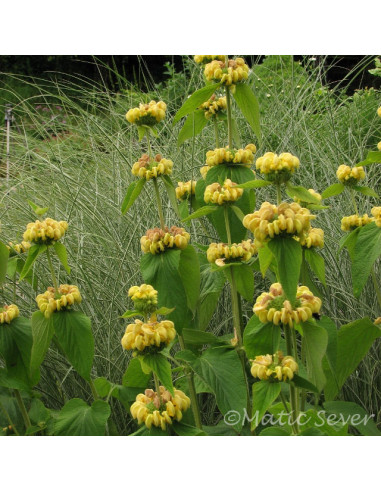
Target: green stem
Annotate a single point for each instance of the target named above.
(284, 402)
(192, 390)
(93, 389)
(159, 206)
(157, 385)
(229, 112)
(353, 200)
(9, 419)
(14, 288)
(376, 287)
(278, 194)
(304, 392)
(149, 144)
(55, 285)
(216, 131)
(227, 225)
(293, 396)
(21, 405)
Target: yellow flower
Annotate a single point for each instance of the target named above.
(274, 367)
(151, 168)
(350, 176)
(376, 212)
(46, 232)
(314, 238)
(8, 313)
(353, 221)
(215, 193)
(213, 106)
(19, 248)
(185, 190)
(236, 71)
(274, 307)
(51, 301)
(277, 168)
(379, 111)
(203, 59)
(159, 410)
(147, 114)
(287, 219)
(148, 335)
(144, 297)
(220, 251)
(226, 156)
(379, 146)
(158, 240)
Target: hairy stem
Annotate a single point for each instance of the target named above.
(293, 396)
(55, 285)
(354, 200)
(229, 112)
(278, 194)
(216, 131)
(21, 405)
(227, 225)
(159, 206)
(93, 389)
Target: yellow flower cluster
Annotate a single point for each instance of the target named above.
(144, 297)
(159, 410)
(220, 251)
(379, 111)
(147, 114)
(158, 240)
(151, 334)
(274, 307)
(376, 212)
(151, 168)
(45, 232)
(277, 168)
(379, 146)
(236, 71)
(19, 248)
(350, 175)
(274, 367)
(215, 193)
(203, 59)
(213, 106)
(353, 221)
(51, 301)
(286, 219)
(184, 190)
(314, 193)
(8, 313)
(314, 238)
(226, 156)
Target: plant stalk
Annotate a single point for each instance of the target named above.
(216, 132)
(55, 284)
(376, 286)
(353, 200)
(293, 396)
(229, 112)
(192, 390)
(24, 413)
(159, 205)
(278, 194)
(93, 389)
(149, 144)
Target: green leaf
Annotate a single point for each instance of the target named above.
(37, 209)
(197, 337)
(162, 272)
(265, 258)
(248, 104)
(288, 254)
(235, 133)
(142, 130)
(171, 191)
(103, 387)
(302, 193)
(163, 311)
(61, 252)
(350, 412)
(255, 183)
(372, 157)
(42, 333)
(195, 100)
(73, 331)
(189, 270)
(212, 284)
(366, 251)
(162, 368)
(4, 254)
(11, 266)
(182, 429)
(244, 280)
(134, 377)
(316, 263)
(331, 353)
(264, 394)
(193, 125)
(200, 212)
(38, 413)
(238, 212)
(274, 431)
(131, 314)
(33, 253)
(349, 241)
(304, 383)
(315, 339)
(260, 338)
(76, 418)
(365, 190)
(353, 343)
(133, 191)
(221, 369)
(334, 189)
